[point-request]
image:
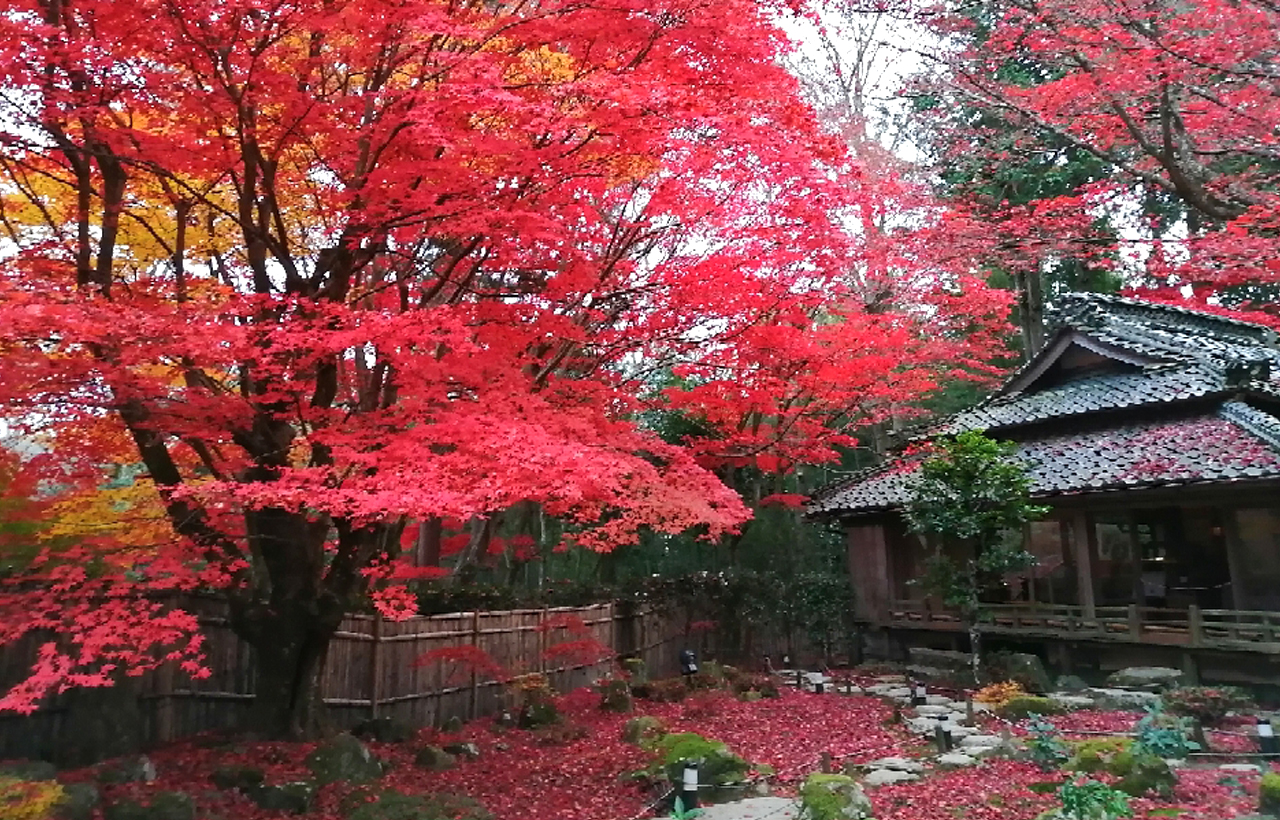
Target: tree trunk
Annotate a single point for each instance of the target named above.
(975, 649)
(292, 645)
(1031, 311)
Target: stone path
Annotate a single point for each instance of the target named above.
(753, 808)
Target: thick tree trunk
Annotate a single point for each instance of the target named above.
(292, 645)
(1031, 311)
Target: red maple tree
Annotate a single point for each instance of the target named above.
(1176, 101)
(325, 267)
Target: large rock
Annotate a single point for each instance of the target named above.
(1122, 698)
(161, 806)
(956, 760)
(1070, 684)
(290, 798)
(939, 658)
(1071, 702)
(1146, 678)
(434, 758)
(343, 758)
(840, 797)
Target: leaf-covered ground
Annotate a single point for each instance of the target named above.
(518, 777)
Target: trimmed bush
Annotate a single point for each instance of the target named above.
(1143, 773)
(833, 797)
(1206, 704)
(615, 695)
(1269, 794)
(1024, 706)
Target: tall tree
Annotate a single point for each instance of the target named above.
(323, 267)
(1172, 105)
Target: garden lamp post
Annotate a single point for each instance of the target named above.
(1267, 737)
(689, 785)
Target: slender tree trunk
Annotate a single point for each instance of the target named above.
(1031, 310)
(975, 648)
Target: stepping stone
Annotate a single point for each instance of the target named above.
(981, 741)
(932, 711)
(883, 777)
(1123, 698)
(753, 808)
(1071, 701)
(899, 692)
(938, 700)
(1146, 677)
(1241, 768)
(956, 760)
(897, 764)
(883, 688)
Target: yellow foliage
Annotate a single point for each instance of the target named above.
(543, 65)
(131, 515)
(998, 694)
(24, 800)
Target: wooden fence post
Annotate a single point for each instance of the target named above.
(1195, 625)
(473, 706)
(542, 640)
(375, 668)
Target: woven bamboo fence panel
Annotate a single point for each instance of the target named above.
(374, 669)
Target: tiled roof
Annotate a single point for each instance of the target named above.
(1111, 391)
(1238, 443)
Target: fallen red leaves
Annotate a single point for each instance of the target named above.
(519, 777)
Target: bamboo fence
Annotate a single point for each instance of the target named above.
(372, 670)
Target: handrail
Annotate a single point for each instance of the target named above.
(1192, 627)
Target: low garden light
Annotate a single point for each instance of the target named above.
(1267, 743)
(689, 785)
(918, 694)
(688, 662)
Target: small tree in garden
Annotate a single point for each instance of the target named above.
(968, 496)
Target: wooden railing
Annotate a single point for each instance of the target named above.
(1194, 627)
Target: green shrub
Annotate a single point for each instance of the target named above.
(1048, 751)
(1164, 735)
(639, 729)
(1090, 800)
(1141, 773)
(1269, 793)
(833, 797)
(1206, 704)
(717, 765)
(1097, 754)
(1026, 705)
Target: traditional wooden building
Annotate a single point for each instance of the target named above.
(1154, 434)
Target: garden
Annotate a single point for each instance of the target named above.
(836, 746)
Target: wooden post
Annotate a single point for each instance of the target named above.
(473, 704)
(542, 640)
(166, 732)
(1080, 540)
(375, 667)
(1135, 623)
(1195, 625)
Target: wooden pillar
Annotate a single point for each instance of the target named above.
(869, 569)
(1234, 548)
(375, 667)
(1080, 546)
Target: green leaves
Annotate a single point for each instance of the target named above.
(969, 497)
